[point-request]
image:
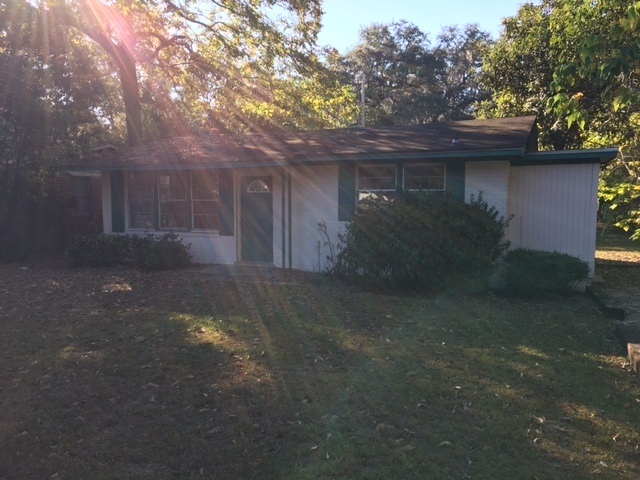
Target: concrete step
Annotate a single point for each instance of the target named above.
(627, 325)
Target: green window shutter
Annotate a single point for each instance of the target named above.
(399, 180)
(346, 192)
(225, 179)
(117, 202)
(455, 179)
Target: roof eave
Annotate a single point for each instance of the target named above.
(507, 153)
(478, 155)
(568, 157)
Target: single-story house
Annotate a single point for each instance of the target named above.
(259, 197)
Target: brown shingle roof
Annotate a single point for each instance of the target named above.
(446, 139)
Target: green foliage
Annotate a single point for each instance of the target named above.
(529, 273)
(575, 64)
(519, 70)
(147, 252)
(32, 213)
(620, 207)
(420, 242)
(187, 66)
(407, 81)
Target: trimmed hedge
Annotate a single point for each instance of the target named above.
(147, 252)
(530, 273)
(419, 242)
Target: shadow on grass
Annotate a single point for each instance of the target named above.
(120, 374)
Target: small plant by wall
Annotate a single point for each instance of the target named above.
(530, 273)
(147, 252)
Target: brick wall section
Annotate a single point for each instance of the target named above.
(86, 223)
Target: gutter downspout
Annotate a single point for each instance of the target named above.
(282, 188)
(290, 227)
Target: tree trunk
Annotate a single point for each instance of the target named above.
(131, 97)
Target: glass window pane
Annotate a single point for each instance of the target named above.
(140, 186)
(258, 186)
(140, 214)
(172, 186)
(424, 177)
(204, 185)
(205, 207)
(173, 214)
(378, 177)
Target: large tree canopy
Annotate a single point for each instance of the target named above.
(575, 64)
(407, 81)
(164, 43)
(609, 59)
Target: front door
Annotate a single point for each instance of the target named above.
(256, 224)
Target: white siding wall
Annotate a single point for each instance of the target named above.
(314, 200)
(490, 178)
(107, 226)
(555, 209)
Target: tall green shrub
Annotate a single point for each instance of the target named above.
(420, 241)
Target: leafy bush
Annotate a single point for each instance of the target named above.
(148, 252)
(33, 209)
(420, 242)
(533, 272)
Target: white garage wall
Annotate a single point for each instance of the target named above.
(490, 178)
(555, 208)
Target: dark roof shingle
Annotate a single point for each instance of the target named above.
(325, 145)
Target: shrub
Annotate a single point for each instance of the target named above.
(33, 209)
(420, 241)
(147, 252)
(533, 272)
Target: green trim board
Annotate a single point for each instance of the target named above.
(346, 192)
(567, 157)
(517, 157)
(454, 179)
(117, 202)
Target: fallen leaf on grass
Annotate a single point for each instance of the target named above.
(409, 447)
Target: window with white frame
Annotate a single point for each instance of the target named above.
(205, 196)
(173, 200)
(377, 183)
(424, 177)
(140, 199)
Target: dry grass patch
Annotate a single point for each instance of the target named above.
(123, 374)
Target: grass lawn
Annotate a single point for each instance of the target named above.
(618, 260)
(178, 375)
